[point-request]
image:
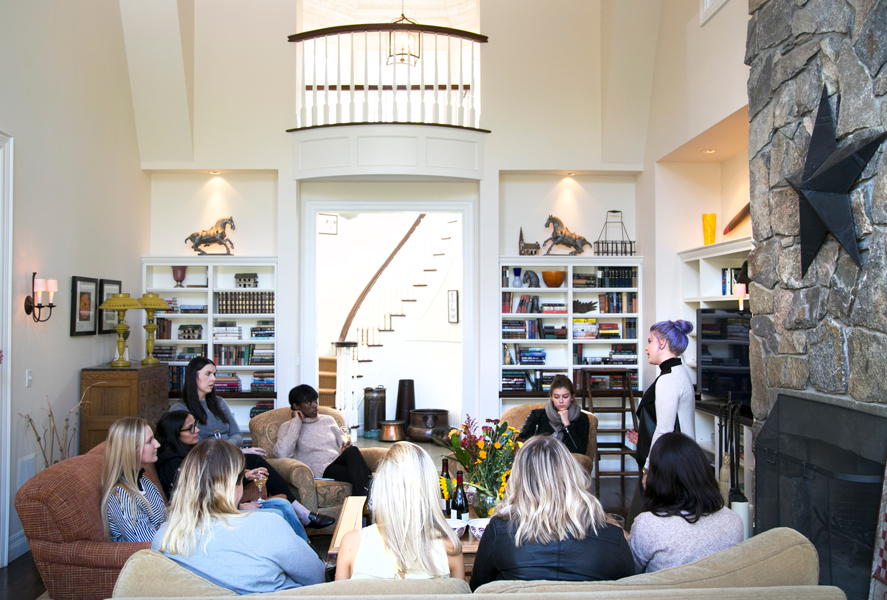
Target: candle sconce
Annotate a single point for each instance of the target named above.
(34, 303)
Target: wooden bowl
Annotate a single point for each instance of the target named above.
(553, 279)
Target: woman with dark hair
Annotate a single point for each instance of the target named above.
(668, 405)
(684, 516)
(561, 418)
(216, 420)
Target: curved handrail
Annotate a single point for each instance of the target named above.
(373, 281)
(359, 28)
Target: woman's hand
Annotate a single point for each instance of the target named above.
(565, 417)
(248, 506)
(258, 451)
(297, 414)
(345, 445)
(632, 436)
(253, 474)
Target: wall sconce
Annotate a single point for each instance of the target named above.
(34, 303)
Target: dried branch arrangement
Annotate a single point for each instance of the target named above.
(51, 436)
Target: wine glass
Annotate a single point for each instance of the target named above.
(346, 434)
(260, 485)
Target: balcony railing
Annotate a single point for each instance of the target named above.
(362, 74)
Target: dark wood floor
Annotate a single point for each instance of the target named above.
(21, 581)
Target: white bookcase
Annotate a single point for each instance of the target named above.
(215, 275)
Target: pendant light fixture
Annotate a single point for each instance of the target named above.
(403, 44)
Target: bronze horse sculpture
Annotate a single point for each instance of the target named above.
(214, 235)
(564, 237)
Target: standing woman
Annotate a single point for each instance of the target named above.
(132, 507)
(668, 405)
(561, 418)
(216, 420)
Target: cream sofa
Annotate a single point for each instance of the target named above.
(780, 563)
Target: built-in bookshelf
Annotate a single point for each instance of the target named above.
(590, 321)
(213, 316)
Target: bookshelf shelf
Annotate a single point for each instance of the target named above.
(216, 275)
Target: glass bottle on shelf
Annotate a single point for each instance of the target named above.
(516, 282)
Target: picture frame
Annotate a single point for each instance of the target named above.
(108, 319)
(453, 306)
(84, 296)
(327, 224)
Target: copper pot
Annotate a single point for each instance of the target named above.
(423, 422)
(391, 431)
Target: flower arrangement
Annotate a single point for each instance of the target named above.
(486, 459)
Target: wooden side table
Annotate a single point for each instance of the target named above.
(136, 391)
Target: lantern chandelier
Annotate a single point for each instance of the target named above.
(403, 44)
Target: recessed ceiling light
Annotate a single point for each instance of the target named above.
(708, 151)
(218, 172)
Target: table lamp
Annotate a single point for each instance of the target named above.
(121, 303)
(151, 302)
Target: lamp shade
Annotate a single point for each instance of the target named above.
(153, 302)
(120, 302)
(52, 285)
(39, 285)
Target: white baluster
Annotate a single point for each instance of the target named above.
(352, 81)
(338, 78)
(366, 77)
(326, 81)
(472, 118)
(461, 118)
(300, 84)
(380, 114)
(423, 60)
(436, 115)
(449, 97)
(314, 82)
(394, 111)
(409, 65)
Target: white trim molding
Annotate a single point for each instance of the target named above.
(708, 8)
(6, 155)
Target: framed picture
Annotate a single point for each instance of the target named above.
(108, 318)
(84, 300)
(327, 224)
(453, 306)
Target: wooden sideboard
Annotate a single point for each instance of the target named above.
(136, 391)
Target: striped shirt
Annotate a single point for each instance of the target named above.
(141, 525)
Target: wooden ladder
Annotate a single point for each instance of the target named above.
(628, 407)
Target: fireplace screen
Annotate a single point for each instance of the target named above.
(819, 470)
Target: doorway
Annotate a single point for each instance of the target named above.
(6, 155)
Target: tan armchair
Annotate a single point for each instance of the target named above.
(325, 497)
(516, 416)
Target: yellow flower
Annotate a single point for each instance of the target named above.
(452, 433)
(497, 445)
(510, 428)
(520, 444)
(480, 444)
(482, 454)
(443, 488)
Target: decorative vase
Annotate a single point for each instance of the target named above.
(484, 504)
(178, 275)
(516, 282)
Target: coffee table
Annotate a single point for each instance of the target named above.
(351, 519)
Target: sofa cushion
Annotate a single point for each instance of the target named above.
(149, 574)
(779, 557)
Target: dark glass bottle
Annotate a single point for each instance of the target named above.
(445, 473)
(367, 518)
(459, 505)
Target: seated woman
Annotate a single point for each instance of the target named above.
(132, 506)
(316, 440)
(561, 418)
(246, 552)
(549, 526)
(177, 433)
(216, 420)
(684, 517)
(410, 538)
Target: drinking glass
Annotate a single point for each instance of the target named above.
(346, 434)
(260, 485)
(617, 520)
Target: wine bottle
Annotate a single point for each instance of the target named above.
(445, 474)
(367, 518)
(459, 505)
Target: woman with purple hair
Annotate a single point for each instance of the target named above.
(668, 405)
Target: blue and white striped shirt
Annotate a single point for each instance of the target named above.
(143, 524)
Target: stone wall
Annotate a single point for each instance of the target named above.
(823, 335)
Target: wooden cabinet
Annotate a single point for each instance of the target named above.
(115, 393)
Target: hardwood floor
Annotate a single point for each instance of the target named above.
(20, 580)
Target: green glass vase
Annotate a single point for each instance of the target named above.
(484, 504)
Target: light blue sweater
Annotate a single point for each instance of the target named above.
(229, 431)
(257, 553)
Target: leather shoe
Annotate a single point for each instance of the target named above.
(318, 521)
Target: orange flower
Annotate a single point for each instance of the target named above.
(482, 454)
(480, 444)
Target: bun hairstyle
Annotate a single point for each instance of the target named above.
(674, 333)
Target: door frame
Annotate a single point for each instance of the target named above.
(6, 156)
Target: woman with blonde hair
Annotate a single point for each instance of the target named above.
(132, 506)
(549, 526)
(410, 538)
(246, 552)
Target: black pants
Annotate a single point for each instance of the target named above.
(276, 484)
(350, 466)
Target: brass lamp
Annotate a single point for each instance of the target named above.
(151, 302)
(121, 303)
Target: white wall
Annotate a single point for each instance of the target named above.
(735, 193)
(197, 201)
(81, 201)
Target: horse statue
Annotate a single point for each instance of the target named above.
(214, 235)
(564, 237)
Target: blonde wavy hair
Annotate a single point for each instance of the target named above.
(547, 497)
(205, 494)
(121, 465)
(406, 508)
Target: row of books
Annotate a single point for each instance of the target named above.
(605, 382)
(607, 277)
(226, 330)
(177, 353)
(263, 329)
(262, 406)
(732, 328)
(523, 356)
(245, 303)
(618, 302)
(619, 354)
(242, 355)
(164, 329)
(526, 303)
(554, 308)
(227, 382)
(531, 329)
(263, 381)
(728, 280)
(528, 381)
(173, 306)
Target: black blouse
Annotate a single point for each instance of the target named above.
(575, 436)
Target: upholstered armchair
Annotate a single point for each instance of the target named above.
(517, 416)
(326, 497)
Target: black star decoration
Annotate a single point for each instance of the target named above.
(823, 186)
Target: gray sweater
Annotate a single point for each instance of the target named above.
(229, 431)
(316, 442)
(256, 553)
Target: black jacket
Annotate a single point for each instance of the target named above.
(576, 436)
(647, 414)
(600, 557)
(169, 460)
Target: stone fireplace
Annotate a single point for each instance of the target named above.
(821, 337)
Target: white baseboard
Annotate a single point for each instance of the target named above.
(18, 545)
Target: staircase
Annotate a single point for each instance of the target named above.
(327, 388)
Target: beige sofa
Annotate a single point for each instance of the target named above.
(780, 563)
